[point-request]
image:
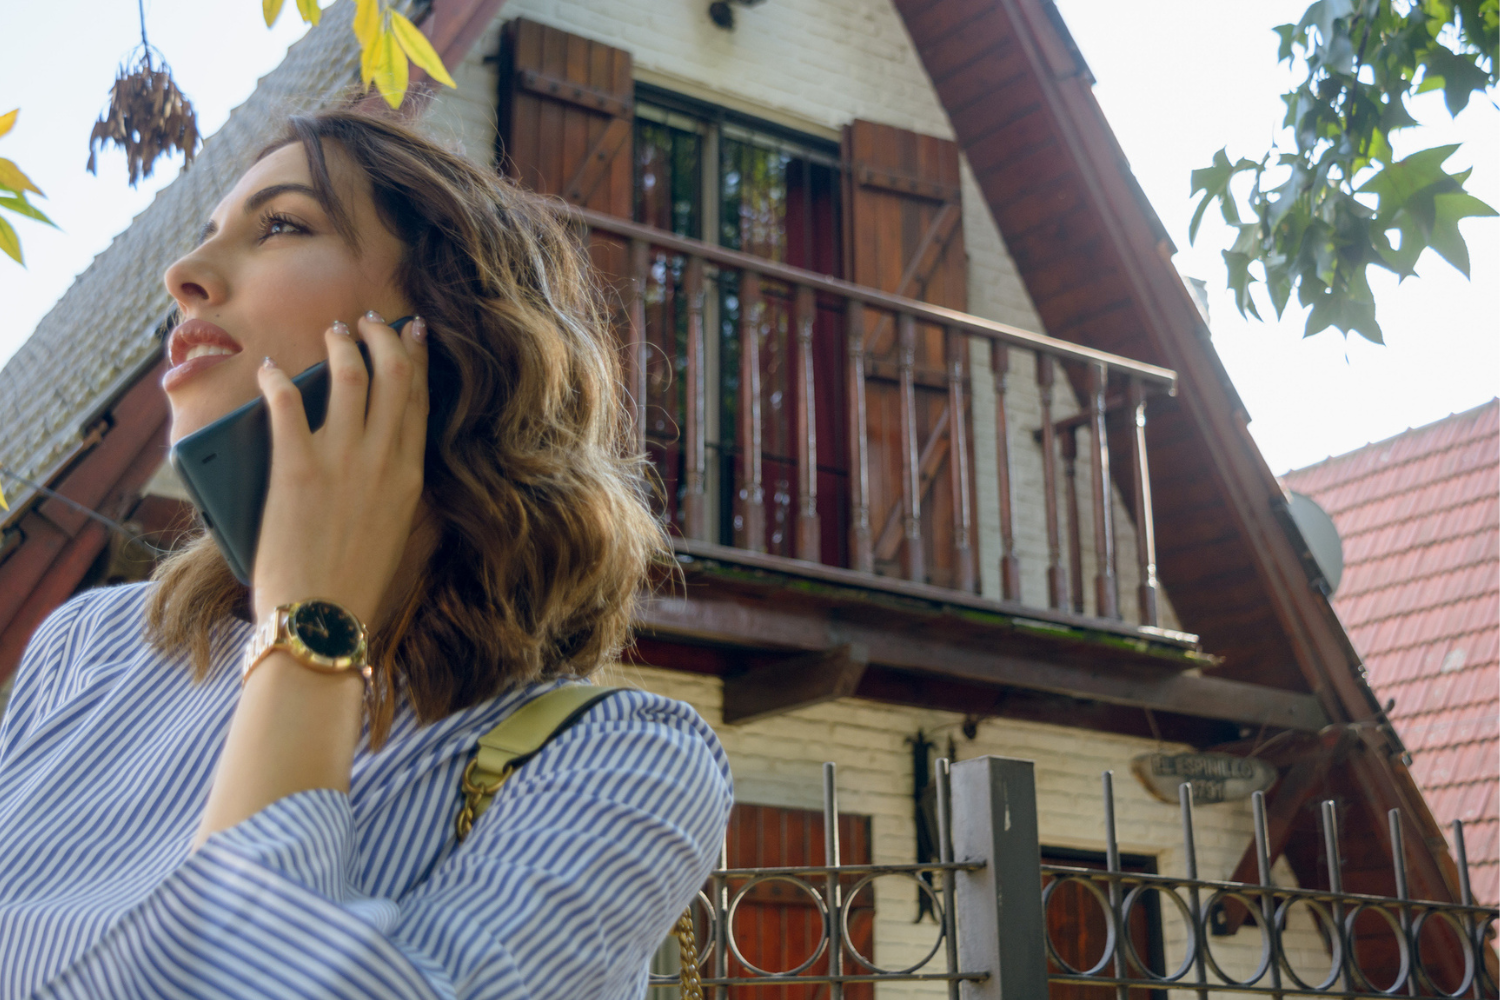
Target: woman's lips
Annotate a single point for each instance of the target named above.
(188, 335)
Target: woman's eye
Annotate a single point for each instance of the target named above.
(276, 225)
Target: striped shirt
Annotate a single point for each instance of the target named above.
(565, 887)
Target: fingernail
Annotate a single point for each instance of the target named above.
(372, 314)
(268, 363)
(340, 327)
(419, 330)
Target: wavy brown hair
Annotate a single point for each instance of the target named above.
(539, 495)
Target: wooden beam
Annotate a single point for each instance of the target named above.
(748, 624)
(1295, 789)
(796, 682)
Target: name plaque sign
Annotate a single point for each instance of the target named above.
(1214, 777)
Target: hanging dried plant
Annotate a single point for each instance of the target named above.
(148, 116)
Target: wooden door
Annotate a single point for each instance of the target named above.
(1078, 931)
(905, 235)
(778, 925)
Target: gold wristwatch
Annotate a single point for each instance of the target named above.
(320, 635)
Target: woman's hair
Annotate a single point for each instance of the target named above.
(539, 495)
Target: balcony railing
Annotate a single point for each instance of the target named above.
(767, 309)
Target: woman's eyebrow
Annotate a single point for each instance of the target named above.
(258, 199)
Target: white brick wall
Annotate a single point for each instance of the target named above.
(778, 761)
(816, 65)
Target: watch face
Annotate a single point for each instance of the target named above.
(326, 629)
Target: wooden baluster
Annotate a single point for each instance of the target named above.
(751, 493)
(911, 485)
(1057, 575)
(809, 542)
(635, 363)
(694, 510)
(861, 554)
(1145, 528)
(958, 462)
(1106, 594)
(1074, 532)
(1010, 566)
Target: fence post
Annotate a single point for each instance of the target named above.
(1000, 917)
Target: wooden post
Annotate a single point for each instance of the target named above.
(1010, 565)
(694, 511)
(1106, 595)
(911, 484)
(809, 543)
(1000, 917)
(861, 554)
(1074, 532)
(635, 371)
(958, 462)
(751, 522)
(1057, 576)
(1145, 525)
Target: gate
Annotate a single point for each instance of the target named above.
(991, 905)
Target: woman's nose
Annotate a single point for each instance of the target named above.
(193, 281)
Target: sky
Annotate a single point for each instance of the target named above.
(1176, 86)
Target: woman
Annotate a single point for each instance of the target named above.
(168, 828)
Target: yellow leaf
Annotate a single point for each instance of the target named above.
(367, 23)
(390, 69)
(10, 242)
(11, 177)
(419, 49)
(310, 11)
(271, 9)
(3, 504)
(6, 121)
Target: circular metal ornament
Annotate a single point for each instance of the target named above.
(1189, 952)
(1468, 949)
(1267, 949)
(734, 905)
(1402, 974)
(1335, 935)
(1111, 932)
(937, 908)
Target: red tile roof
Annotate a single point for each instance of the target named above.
(1420, 518)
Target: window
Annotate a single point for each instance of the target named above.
(1076, 924)
(751, 186)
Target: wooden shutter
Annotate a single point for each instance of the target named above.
(779, 925)
(905, 235)
(566, 111)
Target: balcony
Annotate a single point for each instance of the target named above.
(803, 427)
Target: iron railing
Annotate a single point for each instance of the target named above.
(991, 911)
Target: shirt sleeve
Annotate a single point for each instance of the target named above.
(564, 889)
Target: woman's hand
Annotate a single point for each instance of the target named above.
(342, 501)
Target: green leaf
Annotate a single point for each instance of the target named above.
(1240, 280)
(1445, 239)
(10, 243)
(19, 205)
(1395, 185)
(11, 177)
(271, 9)
(1287, 33)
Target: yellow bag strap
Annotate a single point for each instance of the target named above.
(517, 738)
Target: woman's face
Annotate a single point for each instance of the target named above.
(270, 275)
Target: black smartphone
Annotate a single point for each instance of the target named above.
(226, 466)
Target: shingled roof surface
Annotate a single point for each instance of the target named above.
(1420, 518)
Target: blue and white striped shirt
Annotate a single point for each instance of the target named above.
(565, 887)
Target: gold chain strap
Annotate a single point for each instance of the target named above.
(473, 794)
(688, 976)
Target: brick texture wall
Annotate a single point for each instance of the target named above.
(816, 65)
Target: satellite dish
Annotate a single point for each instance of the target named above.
(1321, 536)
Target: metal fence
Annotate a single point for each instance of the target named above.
(987, 817)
